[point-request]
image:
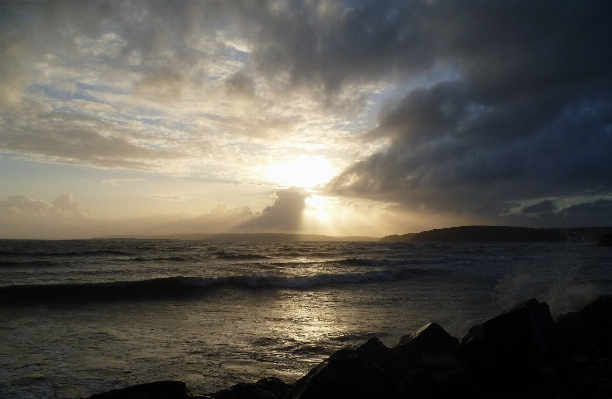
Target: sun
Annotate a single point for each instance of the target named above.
(306, 171)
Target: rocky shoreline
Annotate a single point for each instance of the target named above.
(520, 353)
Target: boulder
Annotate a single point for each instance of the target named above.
(374, 350)
(599, 312)
(430, 337)
(577, 336)
(152, 390)
(425, 365)
(419, 384)
(511, 346)
(266, 388)
(347, 374)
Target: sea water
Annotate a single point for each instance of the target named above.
(85, 316)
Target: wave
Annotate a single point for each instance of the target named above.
(299, 282)
(230, 256)
(179, 286)
(61, 253)
(394, 262)
(35, 263)
(161, 259)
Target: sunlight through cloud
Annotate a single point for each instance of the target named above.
(306, 171)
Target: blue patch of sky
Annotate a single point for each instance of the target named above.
(64, 95)
(102, 88)
(154, 118)
(237, 55)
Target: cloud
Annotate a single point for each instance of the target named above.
(20, 206)
(23, 205)
(74, 138)
(488, 106)
(582, 214)
(147, 86)
(597, 212)
(113, 182)
(240, 84)
(163, 85)
(285, 214)
(527, 116)
(544, 206)
(65, 218)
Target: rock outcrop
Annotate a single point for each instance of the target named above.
(519, 353)
(153, 390)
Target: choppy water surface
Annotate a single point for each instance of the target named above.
(80, 317)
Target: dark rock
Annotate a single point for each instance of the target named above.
(266, 388)
(425, 365)
(419, 384)
(453, 377)
(577, 336)
(606, 240)
(599, 312)
(431, 337)
(153, 390)
(374, 350)
(511, 346)
(347, 374)
(547, 381)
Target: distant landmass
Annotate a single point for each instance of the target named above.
(503, 234)
(255, 237)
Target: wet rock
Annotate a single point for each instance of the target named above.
(374, 350)
(347, 374)
(577, 336)
(453, 377)
(511, 346)
(425, 364)
(431, 337)
(599, 312)
(266, 388)
(419, 384)
(153, 390)
(405, 357)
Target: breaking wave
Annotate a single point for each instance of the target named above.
(179, 286)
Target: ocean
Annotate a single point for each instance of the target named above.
(85, 316)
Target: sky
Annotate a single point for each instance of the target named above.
(324, 117)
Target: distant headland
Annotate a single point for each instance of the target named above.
(504, 234)
(254, 237)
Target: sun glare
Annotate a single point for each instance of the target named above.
(318, 206)
(305, 171)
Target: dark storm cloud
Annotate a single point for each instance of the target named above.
(285, 214)
(600, 209)
(240, 84)
(585, 214)
(544, 206)
(529, 116)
